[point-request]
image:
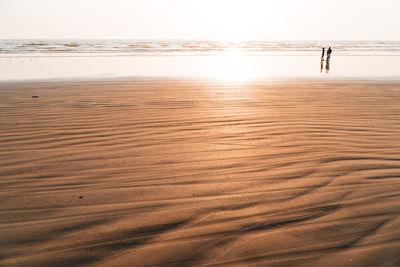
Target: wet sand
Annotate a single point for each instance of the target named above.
(185, 173)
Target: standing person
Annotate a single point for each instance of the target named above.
(323, 53)
(328, 53)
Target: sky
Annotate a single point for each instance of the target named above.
(201, 19)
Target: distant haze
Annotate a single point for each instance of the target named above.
(201, 19)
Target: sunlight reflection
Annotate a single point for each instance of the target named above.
(232, 67)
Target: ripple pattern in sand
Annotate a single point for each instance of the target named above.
(179, 173)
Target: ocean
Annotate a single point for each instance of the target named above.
(192, 47)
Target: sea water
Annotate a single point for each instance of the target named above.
(223, 60)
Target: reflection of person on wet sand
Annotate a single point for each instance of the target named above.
(322, 65)
(327, 66)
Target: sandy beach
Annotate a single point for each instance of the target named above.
(154, 172)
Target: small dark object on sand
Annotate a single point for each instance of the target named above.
(80, 197)
(35, 96)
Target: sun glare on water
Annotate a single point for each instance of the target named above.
(232, 67)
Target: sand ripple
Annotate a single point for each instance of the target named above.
(179, 173)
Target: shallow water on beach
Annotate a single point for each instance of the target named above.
(232, 67)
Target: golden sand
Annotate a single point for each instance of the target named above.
(181, 173)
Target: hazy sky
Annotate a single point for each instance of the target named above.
(200, 19)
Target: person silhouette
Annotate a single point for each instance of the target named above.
(328, 53)
(322, 58)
